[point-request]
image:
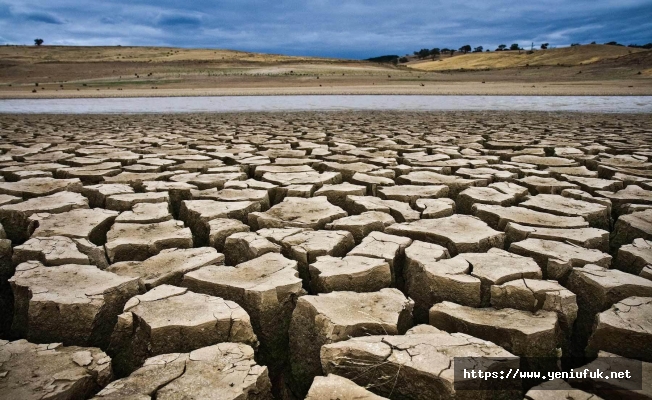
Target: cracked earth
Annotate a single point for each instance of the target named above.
(347, 255)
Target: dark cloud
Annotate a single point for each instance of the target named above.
(178, 20)
(351, 29)
(44, 17)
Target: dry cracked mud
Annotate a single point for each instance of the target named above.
(294, 255)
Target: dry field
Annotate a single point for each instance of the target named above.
(320, 255)
(146, 71)
(562, 57)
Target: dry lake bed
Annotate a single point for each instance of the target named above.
(321, 255)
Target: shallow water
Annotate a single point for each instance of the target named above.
(609, 104)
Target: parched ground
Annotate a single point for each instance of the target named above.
(63, 72)
(563, 57)
(320, 255)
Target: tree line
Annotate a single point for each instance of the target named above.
(437, 52)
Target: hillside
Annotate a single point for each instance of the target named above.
(58, 71)
(567, 56)
(73, 54)
(119, 66)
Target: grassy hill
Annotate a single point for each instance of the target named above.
(74, 71)
(568, 56)
(72, 54)
(109, 66)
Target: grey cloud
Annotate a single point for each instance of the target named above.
(351, 29)
(44, 17)
(178, 20)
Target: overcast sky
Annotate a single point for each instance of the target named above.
(336, 28)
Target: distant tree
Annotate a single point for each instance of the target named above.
(514, 46)
(38, 42)
(423, 53)
(645, 46)
(575, 44)
(487, 51)
(478, 49)
(435, 52)
(403, 60)
(452, 51)
(445, 50)
(614, 44)
(466, 48)
(544, 46)
(593, 42)
(501, 47)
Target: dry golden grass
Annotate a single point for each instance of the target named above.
(568, 56)
(70, 54)
(63, 71)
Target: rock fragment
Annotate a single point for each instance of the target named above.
(38, 187)
(557, 259)
(543, 185)
(145, 213)
(15, 217)
(482, 195)
(333, 317)
(245, 246)
(591, 238)
(372, 183)
(631, 226)
(126, 201)
(435, 208)
(635, 257)
(597, 289)
(90, 224)
(351, 273)
(169, 266)
(197, 215)
(137, 242)
(306, 246)
(497, 266)
(227, 369)
(458, 233)
(336, 194)
(597, 215)
(386, 247)
(97, 194)
(558, 389)
(221, 228)
(455, 184)
(267, 288)
(519, 332)
(170, 319)
(614, 388)
(362, 225)
(498, 217)
(337, 387)
(534, 295)
(390, 365)
(401, 212)
(312, 213)
(50, 251)
(61, 372)
(411, 193)
(625, 329)
(73, 304)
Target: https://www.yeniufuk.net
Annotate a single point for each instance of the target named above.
(550, 375)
